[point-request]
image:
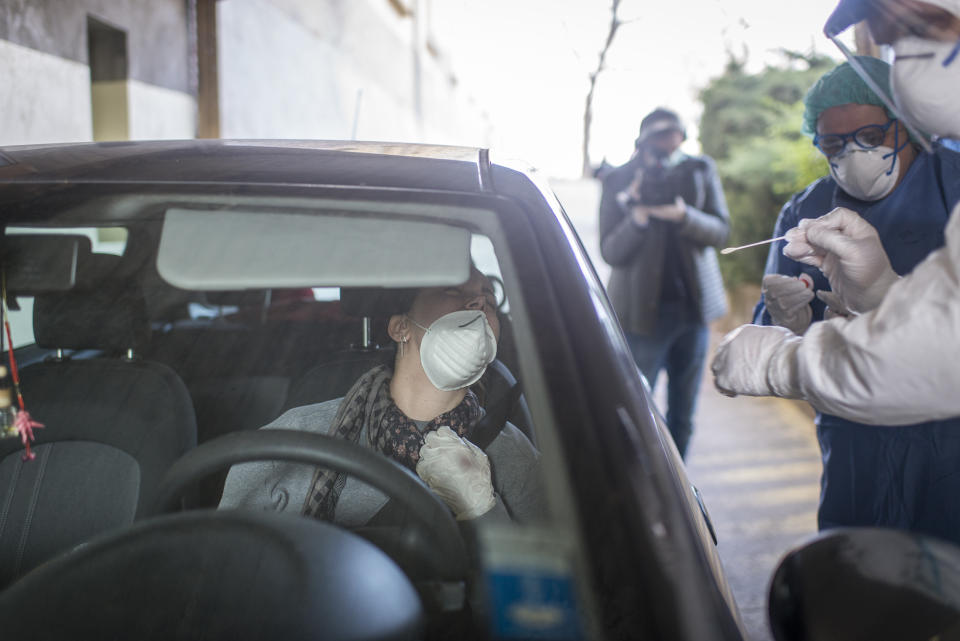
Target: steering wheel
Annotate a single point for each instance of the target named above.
(433, 537)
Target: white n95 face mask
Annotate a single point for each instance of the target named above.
(866, 174)
(925, 81)
(457, 348)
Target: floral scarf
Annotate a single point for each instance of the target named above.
(389, 432)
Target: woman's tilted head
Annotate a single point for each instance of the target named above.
(452, 331)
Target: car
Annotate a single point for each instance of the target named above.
(166, 299)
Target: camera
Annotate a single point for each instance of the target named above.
(661, 185)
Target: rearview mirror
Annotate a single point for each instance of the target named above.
(40, 263)
(870, 584)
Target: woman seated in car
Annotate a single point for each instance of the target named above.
(420, 413)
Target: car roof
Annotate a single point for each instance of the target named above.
(287, 162)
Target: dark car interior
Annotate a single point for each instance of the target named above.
(128, 373)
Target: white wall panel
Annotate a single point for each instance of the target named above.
(45, 98)
(276, 79)
(292, 69)
(157, 113)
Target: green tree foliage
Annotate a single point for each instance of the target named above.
(751, 127)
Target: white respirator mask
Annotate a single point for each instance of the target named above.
(456, 349)
(925, 81)
(866, 174)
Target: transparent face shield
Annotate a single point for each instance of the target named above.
(926, 94)
(922, 139)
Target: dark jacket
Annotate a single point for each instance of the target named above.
(637, 253)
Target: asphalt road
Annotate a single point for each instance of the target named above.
(755, 461)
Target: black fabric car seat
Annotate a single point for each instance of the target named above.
(112, 426)
(333, 378)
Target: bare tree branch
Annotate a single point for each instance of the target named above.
(615, 24)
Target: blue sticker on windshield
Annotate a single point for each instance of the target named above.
(529, 605)
(531, 588)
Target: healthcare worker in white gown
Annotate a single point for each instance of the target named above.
(897, 361)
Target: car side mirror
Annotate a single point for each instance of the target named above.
(867, 583)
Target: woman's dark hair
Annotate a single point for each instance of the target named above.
(379, 304)
(376, 302)
(398, 301)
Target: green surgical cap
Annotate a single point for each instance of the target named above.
(841, 86)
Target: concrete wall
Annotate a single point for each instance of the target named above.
(337, 70)
(46, 98)
(159, 113)
(327, 69)
(44, 68)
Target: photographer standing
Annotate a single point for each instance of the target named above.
(661, 215)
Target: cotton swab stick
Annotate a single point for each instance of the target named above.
(730, 250)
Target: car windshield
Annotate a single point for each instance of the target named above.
(301, 314)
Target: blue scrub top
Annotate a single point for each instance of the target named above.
(906, 477)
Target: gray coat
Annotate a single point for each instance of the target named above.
(636, 252)
(281, 486)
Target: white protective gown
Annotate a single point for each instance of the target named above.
(900, 363)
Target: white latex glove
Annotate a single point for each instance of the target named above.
(757, 360)
(847, 249)
(835, 306)
(458, 471)
(788, 300)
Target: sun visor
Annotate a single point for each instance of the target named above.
(223, 250)
(41, 263)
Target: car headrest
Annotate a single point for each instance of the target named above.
(241, 298)
(98, 313)
(376, 302)
(258, 297)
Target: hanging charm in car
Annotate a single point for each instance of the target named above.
(22, 424)
(8, 415)
(25, 426)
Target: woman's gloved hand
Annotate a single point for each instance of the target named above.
(458, 471)
(788, 300)
(847, 249)
(757, 360)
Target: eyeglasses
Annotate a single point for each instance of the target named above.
(866, 137)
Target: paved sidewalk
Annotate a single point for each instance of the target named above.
(757, 465)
